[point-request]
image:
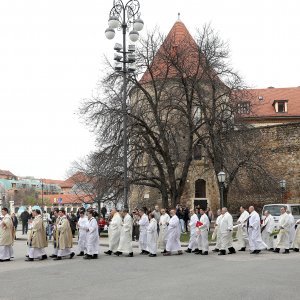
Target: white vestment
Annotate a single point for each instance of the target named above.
(296, 243)
(125, 244)
(193, 233)
(82, 233)
(283, 238)
(255, 240)
(226, 226)
(173, 235)
(152, 236)
(268, 226)
(92, 237)
(242, 234)
(114, 232)
(143, 222)
(6, 251)
(292, 229)
(163, 228)
(217, 232)
(203, 233)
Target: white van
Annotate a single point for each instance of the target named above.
(274, 210)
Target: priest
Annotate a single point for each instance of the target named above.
(283, 238)
(203, 229)
(267, 228)
(152, 236)
(6, 236)
(163, 228)
(193, 242)
(143, 224)
(82, 225)
(256, 243)
(296, 243)
(125, 244)
(37, 240)
(173, 235)
(292, 228)
(92, 236)
(64, 237)
(217, 233)
(242, 234)
(226, 227)
(114, 232)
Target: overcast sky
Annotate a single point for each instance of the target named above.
(51, 54)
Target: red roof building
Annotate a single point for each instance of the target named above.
(272, 106)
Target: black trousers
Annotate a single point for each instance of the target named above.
(24, 227)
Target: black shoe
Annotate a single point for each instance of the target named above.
(81, 254)
(130, 254)
(253, 252)
(87, 256)
(57, 258)
(198, 252)
(216, 250)
(44, 257)
(164, 251)
(222, 252)
(277, 250)
(188, 250)
(243, 249)
(109, 252)
(271, 249)
(3, 260)
(205, 253)
(231, 250)
(144, 252)
(152, 255)
(118, 253)
(95, 256)
(258, 251)
(296, 249)
(195, 250)
(286, 251)
(53, 256)
(72, 255)
(26, 255)
(29, 259)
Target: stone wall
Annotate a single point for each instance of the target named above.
(281, 149)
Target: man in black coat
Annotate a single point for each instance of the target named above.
(24, 218)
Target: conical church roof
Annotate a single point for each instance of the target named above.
(178, 54)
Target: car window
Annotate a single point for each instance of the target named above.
(295, 210)
(273, 209)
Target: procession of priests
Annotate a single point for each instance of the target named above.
(159, 230)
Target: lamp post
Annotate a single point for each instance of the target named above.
(42, 195)
(123, 16)
(282, 184)
(221, 179)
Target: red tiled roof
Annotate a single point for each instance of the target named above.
(7, 173)
(263, 100)
(180, 45)
(68, 198)
(53, 181)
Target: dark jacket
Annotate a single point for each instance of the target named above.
(25, 216)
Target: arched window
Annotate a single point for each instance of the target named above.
(200, 188)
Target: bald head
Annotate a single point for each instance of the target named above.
(224, 210)
(251, 209)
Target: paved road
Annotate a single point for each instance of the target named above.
(240, 276)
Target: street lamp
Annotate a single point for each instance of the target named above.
(123, 16)
(42, 195)
(282, 184)
(221, 179)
